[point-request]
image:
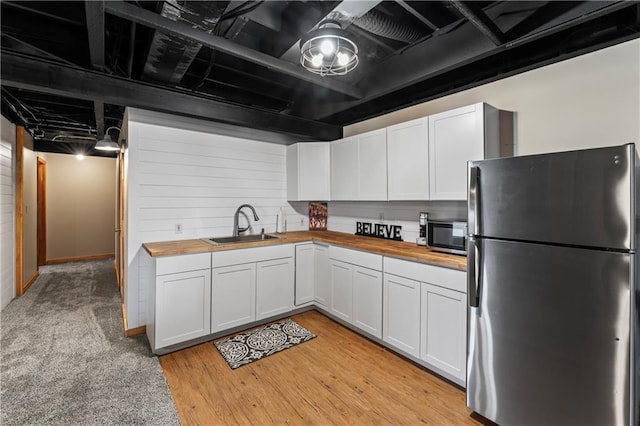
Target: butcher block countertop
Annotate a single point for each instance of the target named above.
(398, 249)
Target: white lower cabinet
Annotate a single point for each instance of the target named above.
(418, 309)
(356, 288)
(322, 276)
(425, 315)
(401, 313)
(251, 284)
(183, 306)
(274, 287)
(179, 299)
(305, 273)
(233, 296)
(443, 327)
(341, 289)
(367, 300)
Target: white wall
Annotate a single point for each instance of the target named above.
(588, 101)
(195, 178)
(343, 215)
(30, 213)
(7, 219)
(80, 206)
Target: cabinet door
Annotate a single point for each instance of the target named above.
(341, 289)
(274, 287)
(314, 171)
(367, 300)
(408, 160)
(401, 313)
(233, 296)
(372, 166)
(455, 137)
(305, 273)
(443, 329)
(344, 174)
(183, 307)
(322, 278)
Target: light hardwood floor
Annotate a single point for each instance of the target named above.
(337, 378)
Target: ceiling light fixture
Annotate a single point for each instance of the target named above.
(328, 50)
(106, 143)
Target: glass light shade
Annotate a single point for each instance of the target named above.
(328, 50)
(343, 58)
(316, 61)
(327, 47)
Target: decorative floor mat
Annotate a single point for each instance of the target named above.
(252, 345)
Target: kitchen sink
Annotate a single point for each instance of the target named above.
(240, 239)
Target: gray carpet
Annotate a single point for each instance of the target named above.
(65, 360)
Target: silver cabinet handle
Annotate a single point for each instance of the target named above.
(473, 271)
(473, 206)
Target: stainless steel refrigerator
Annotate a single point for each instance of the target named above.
(552, 284)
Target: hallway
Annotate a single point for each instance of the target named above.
(65, 359)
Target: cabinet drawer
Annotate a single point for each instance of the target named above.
(356, 257)
(436, 275)
(183, 263)
(251, 255)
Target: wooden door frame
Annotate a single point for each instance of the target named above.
(42, 211)
(120, 224)
(19, 209)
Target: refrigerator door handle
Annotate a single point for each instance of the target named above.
(473, 207)
(473, 271)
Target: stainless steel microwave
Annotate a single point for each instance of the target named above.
(449, 236)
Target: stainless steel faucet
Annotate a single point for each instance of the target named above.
(236, 226)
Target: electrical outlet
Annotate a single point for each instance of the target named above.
(301, 221)
(178, 228)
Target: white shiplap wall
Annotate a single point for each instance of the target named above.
(195, 178)
(7, 235)
(343, 215)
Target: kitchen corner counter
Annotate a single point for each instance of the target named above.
(398, 249)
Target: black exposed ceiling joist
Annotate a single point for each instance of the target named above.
(23, 6)
(153, 20)
(480, 20)
(417, 15)
(426, 60)
(94, 11)
(37, 75)
(13, 43)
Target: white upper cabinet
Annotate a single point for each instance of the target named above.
(344, 173)
(359, 167)
(408, 160)
(308, 171)
(455, 137)
(421, 159)
(372, 166)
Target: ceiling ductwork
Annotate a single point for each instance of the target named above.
(383, 26)
(170, 56)
(237, 63)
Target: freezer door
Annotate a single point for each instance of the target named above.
(549, 341)
(582, 198)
